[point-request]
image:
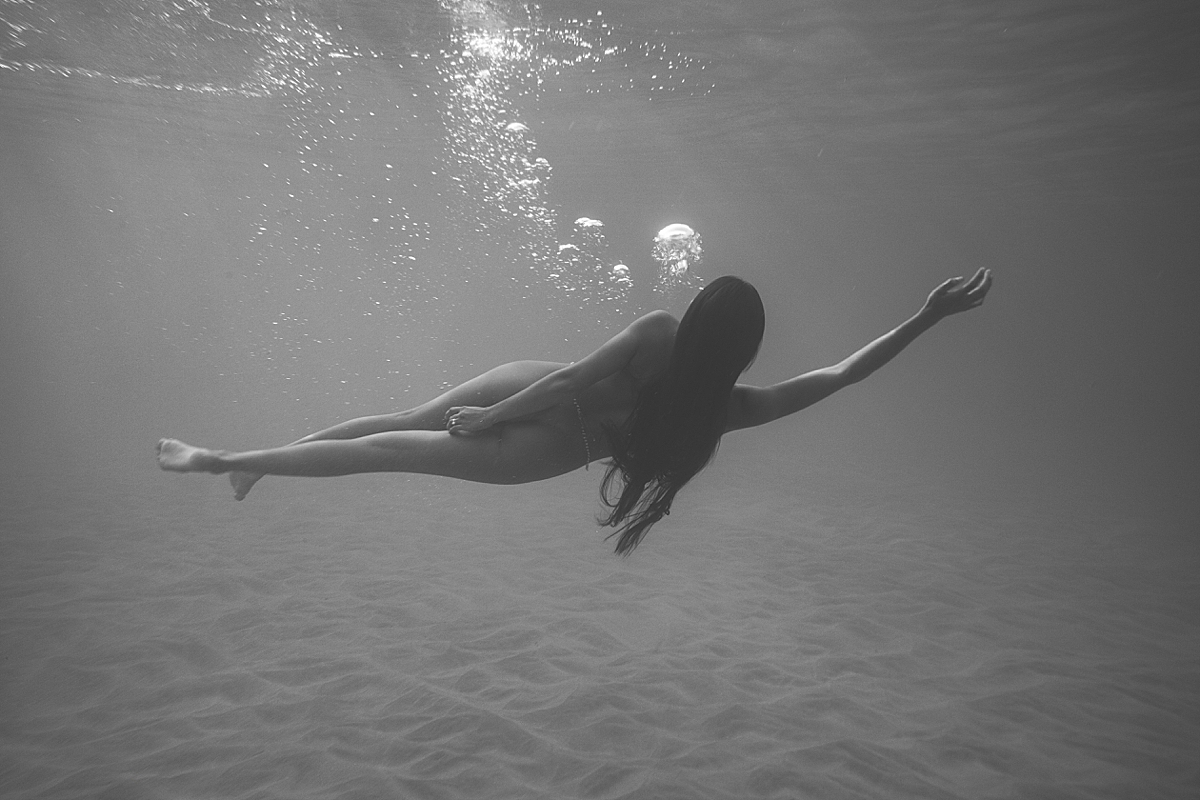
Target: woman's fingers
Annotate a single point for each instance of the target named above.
(465, 420)
(946, 285)
(956, 294)
(976, 289)
(982, 282)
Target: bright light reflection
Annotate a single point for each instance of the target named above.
(500, 198)
(678, 250)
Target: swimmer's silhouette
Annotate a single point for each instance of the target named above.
(655, 399)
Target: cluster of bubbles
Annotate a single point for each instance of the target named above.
(501, 57)
(582, 265)
(677, 247)
(497, 185)
(678, 251)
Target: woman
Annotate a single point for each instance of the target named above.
(655, 399)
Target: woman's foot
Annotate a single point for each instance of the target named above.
(176, 456)
(242, 483)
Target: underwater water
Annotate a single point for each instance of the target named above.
(971, 576)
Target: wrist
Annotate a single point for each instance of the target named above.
(928, 316)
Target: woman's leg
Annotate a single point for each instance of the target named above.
(484, 390)
(243, 482)
(514, 452)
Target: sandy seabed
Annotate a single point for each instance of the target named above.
(405, 637)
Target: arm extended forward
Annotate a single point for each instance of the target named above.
(752, 405)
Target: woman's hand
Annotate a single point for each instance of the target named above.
(467, 420)
(956, 295)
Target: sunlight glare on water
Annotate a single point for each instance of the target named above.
(249, 49)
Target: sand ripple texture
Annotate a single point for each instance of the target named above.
(411, 638)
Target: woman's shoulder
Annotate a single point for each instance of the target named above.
(656, 330)
(655, 334)
(659, 323)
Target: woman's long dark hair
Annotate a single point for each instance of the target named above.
(679, 416)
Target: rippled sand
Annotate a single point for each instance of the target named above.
(385, 637)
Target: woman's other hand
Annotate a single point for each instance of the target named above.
(957, 295)
(467, 420)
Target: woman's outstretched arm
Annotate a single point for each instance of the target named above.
(752, 405)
